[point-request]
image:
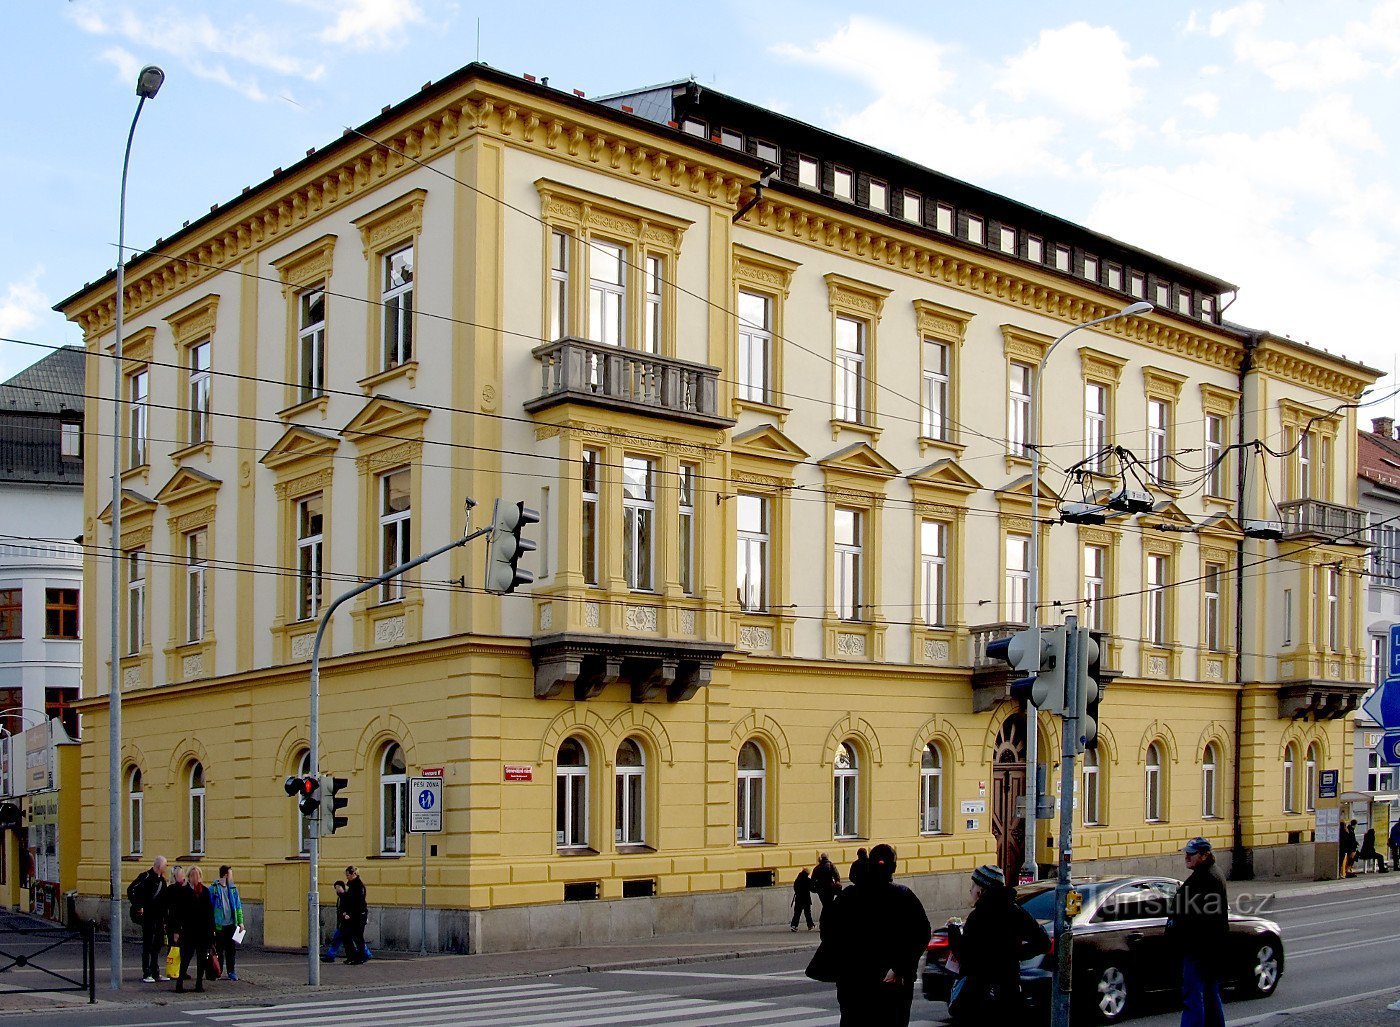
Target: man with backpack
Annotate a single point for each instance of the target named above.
(147, 895)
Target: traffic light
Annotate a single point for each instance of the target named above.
(1046, 689)
(505, 547)
(305, 789)
(330, 788)
(1090, 690)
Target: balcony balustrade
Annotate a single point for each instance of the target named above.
(1315, 519)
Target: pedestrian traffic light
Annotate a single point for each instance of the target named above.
(1090, 690)
(330, 789)
(305, 789)
(1046, 687)
(505, 547)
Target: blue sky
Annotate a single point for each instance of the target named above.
(1255, 141)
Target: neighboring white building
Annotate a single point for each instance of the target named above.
(41, 568)
(1378, 471)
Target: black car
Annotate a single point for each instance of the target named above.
(1120, 949)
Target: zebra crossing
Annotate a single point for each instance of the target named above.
(529, 1004)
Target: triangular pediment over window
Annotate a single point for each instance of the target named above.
(860, 458)
(944, 475)
(133, 505)
(1167, 514)
(1021, 489)
(1221, 525)
(187, 483)
(299, 443)
(768, 443)
(384, 417)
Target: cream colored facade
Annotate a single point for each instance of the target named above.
(477, 174)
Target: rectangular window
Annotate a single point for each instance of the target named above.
(638, 516)
(686, 542)
(198, 398)
(1217, 473)
(850, 370)
(975, 229)
(1304, 482)
(912, 210)
(196, 565)
(1091, 268)
(1091, 791)
(311, 344)
(933, 571)
(730, 138)
(60, 613)
(1035, 249)
(1115, 277)
(70, 440)
(692, 127)
(841, 184)
(628, 817)
(310, 540)
(651, 337)
(1137, 284)
(592, 463)
(1212, 607)
(808, 173)
(752, 514)
(138, 411)
(1183, 302)
(545, 522)
(1162, 293)
(11, 613)
(1008, 239)
(936, 384)
(1334, 609)
(1095, 583)
(1324, 468)
(1095, 426)
(755, 347)
(607, 292)
(1156, 600)
(135, 600)
(1208, 790)
(944, 218)
(848, 544)
(395, 520)
(1018, 410)
(1158, 432)
(879, 197)
(396, 300)
(1379, 645)
(765, 151)
(1018, 578)
(1287, 616)
(560, 247)
(1062, 258)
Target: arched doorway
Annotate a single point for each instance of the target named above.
(1008, 787)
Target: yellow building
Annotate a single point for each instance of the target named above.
(779, 440)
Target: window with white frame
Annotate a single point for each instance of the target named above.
(850, 370)
(1115, 277)
(571, 795)
(752, 514)
(1018, 578)
(1385, 554)
(1152, 781)
(1287, 616)
(560, 267)
(311, 343)
(849, 552)
(1183, 302)
(1212, 608)
(1089, 788)
(809, 173)
(1378, 778)
(879, 197)
(846, 775)
(638, 518)
(685, 542)
(752, 798)
(912, 208)
(1091, 268)
(933, 571)
(1063, 258)
(1018, 409)
(607, 292)
(1156, 599)
(393, 801)
(653, 277)
(196, 566)
(135, 813)
(944, 218)
(931, 790)
(1137, 284)
(1158, 430)
(690, 126)
(1007, 239)
(1095, 426)
(1210, 786)
(310, 546)
(135, 600)
(975, 229)
(1334, 609)
(1095, 584)
(842, 184)
(1035, 249)
(1163, 294)
(936, 384)
(755, 347)
(70, 439)
(303, 821)
(1310, 765)
(591, 465)
(200, 413)
(1217, 471)
(1324, 468)
(630, 825)
(395, 522)
(396, 302)
(138, 412)
(1304, 461)
(1378, 668)
(1290, 783)
(196, 807)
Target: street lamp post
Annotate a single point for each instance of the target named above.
(1029, 867)
(148, 83)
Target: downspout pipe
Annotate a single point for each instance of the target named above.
(1241, 858)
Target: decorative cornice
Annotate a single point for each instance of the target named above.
(1021, 343)
(1162, 383)
(861, 297)
(310, 263)
(1095, 363)
(935, 320)
(398, 219)
(194, 321)
(1315, 370)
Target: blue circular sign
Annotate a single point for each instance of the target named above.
(425, 798)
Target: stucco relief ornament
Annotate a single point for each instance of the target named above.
(850, 645)
(936, 649)
(488, 397)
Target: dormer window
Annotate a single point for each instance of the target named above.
(692, 127)
(842, 182)
(879, 197)
(974, 229)
(1115, 277)
(1035, 249)
(1091, 268)
(808, 173)
(911, 207)
(731, 138)
(1137, 284)
(1207, 307)
(1008, 239)
(765, 151)
(1163, 294)
(944, 218)
(1183, 302)
(70, 440)
(1062, 258)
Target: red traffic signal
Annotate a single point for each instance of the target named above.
(305, 789)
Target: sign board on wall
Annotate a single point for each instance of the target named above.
(1327, 784)
(518, 772)
(974, 807)
(425, 804)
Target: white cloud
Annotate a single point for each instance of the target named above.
(1245, 16)
(1207, 105)
(22, 305)
(1083, 69)
(372, 24)
(888, 59)
(1313, 61)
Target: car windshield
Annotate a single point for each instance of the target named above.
(1041, 902)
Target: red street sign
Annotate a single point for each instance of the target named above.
(431, 772)
(519, 772)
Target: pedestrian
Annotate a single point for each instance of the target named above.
(826, 879)
(172, 898)
(337, 936)
(228, 917)
(858, 868)
(1395, 845)
(878, 930)
(802, 898)
(1368, 851)
(354, 913)
(1198, 929)
(147, 894)
(1346, 848)
(192, 914)
(989, 947)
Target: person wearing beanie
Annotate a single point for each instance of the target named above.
(878, 930)
(1199, 929)
(997, 935)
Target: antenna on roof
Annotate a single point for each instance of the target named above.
(478, 40)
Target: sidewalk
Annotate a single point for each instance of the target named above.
(267, 976)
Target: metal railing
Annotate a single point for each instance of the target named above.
(24, 943)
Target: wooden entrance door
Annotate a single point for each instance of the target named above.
(1008, 786)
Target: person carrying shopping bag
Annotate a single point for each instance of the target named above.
(192, 923)
(228, 918)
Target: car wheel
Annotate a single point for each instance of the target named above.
(1262, 969)
(1108, 994)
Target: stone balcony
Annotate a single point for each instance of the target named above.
(574, 370)
(1314, 519)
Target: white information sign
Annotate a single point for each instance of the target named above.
(425, 804)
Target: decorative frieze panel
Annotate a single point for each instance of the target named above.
(390, 630)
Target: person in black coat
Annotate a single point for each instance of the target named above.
(1346, 847)
(354, 912)
(858, 868)
(997, 935)
(879, 930)
(826, 880)
(1199, 929)
(802, 898)
(192, 927)
(147, 894)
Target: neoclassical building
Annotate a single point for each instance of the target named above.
(770, 391)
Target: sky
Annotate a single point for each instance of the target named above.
(1254, 141)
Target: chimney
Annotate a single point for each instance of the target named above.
(1383, 426)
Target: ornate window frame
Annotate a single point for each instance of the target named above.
(770, 277)
(1295, 417)
(383, 231)
(136, 360)
(191, 502)
(762, 463)
(1022, 346)
(857, 478)
(191, 326)
(1160, 662)
(138, 521)
(936, 322)
(1110, 541)
(1217, 401)
(301, 270)
(1097, 367)
(1165, 387)
(941, 493)
(864, 303)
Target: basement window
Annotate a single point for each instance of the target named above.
(641, 888)
(580, 891)
(760, 878)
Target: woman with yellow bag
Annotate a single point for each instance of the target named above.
(192, 927)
